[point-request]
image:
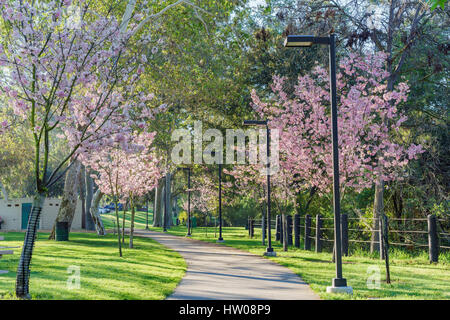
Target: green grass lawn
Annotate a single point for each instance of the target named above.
(140, 219)
(150, 271)
(412, 276)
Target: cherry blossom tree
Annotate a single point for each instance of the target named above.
(369, 129)
(368, 122)
(248, 179)
(62, 79)
(204, 194)
(63, 63)
(125, 170)
(142, 171)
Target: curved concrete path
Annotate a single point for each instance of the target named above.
(217, 272)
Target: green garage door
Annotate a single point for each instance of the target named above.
(26, 210)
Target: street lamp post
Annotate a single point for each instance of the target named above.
(339, 284)
(220, 204)
(166, 202)
(269, 249)
(189, 203)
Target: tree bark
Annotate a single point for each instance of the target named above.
(68, 204)
(157, 213)
(123, 222)
(132, 222)
(89, 186)
(378, 212)
(285, 232)
(118, 227)
(168, 204)
(175, 212)
(82, 193)
(5, 193)
(95, 216)
(23, 269)
(263, 225)
(154, 206)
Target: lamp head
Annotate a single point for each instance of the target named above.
(298, 41)
(255, 123)
(305, 41)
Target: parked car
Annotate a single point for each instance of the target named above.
(112, 207)
(103, 210)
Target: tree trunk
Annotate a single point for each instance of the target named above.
(118, 227)
(163, 205)
(68, 204)
(378, 211)
(82, 193)
(123, 222)
(132, 223)
(263, 226)
(95, 216)
(175, 212)
(5, 193)
(89, 186)
(285, 232)
(168, 204)
(157, 212)
(154, 207)
(23, 269)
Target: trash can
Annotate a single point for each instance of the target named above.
(194, 222)
(62, 231)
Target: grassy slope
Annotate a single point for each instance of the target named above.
(150, 271)
(413, 277)
(140, 219)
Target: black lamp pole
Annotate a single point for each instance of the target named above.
(269, 249)
(165, 205)
(307, 41)
(339, 281)
(189, 203)
(220, 203)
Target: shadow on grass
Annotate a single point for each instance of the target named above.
(150, 271)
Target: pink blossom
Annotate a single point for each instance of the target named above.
(367, 148)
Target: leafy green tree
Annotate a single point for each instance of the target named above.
(435, 3)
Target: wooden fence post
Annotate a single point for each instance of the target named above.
(344, 232)
(297, 231)
(433, 241)
(307, 232)
(280, 223)
(264, 227)
(289, 229)
(318, 233)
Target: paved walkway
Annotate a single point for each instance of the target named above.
(217, 272)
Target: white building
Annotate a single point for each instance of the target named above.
(15, 212)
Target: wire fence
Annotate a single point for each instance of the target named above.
(410, 233)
